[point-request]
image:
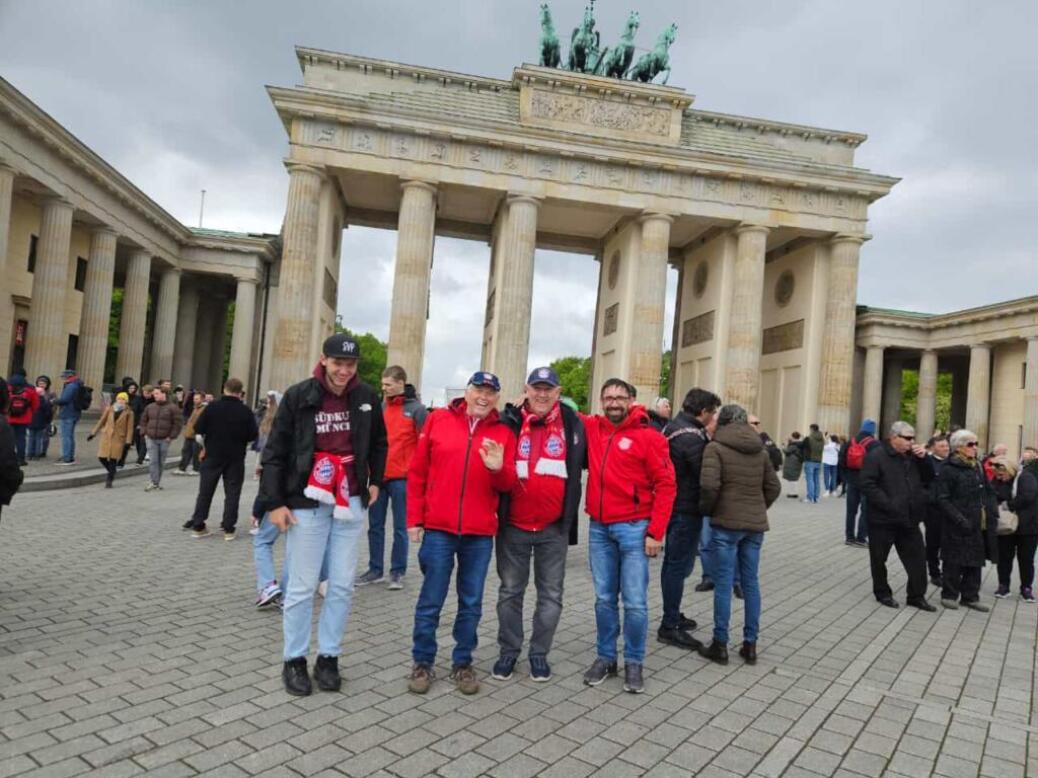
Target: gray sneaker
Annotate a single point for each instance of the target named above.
(600, 670)
(633, 678)
(396, 581)
(369, 577)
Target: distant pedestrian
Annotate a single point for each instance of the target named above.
(852, 460)
(793, 466)
(136, 404)
(659, 414)
(265, 420)
(115, 427)
(159, 426)
(10, 471)
(22, 404)
(39, 427)
(830, 465)
(1023, 541)
(814, 446)
(190, 453)
(937, 458)
(71, 401)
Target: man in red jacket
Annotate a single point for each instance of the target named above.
(464, 459)
(630, 493)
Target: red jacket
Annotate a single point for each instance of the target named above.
(448, 486)
(31, 401)
(630, 475)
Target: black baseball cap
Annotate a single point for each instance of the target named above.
(483, 378)
(543, 375)
(341, 346)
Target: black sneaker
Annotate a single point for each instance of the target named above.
(685, 623)
(188, 525)
(935, 580)
(326, 673)
(675, 636)
(715, 652)
(540, 670)
(600, 670)
(297, 680)
(503, 668)
(633, 678)
(705, 586)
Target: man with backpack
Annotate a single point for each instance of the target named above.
(75, 398)
(23, 404)
(852, 458)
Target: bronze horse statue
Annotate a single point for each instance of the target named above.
(657, 61)
(584, 43)
(619, 59)
(550, 51)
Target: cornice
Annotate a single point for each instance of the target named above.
(807, 132)
(938, 321)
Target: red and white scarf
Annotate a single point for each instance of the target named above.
(550, 456)
(328, 483)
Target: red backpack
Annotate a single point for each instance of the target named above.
(20, 404)
(856, 450)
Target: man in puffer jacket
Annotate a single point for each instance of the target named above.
(160, 425)
(464, 459)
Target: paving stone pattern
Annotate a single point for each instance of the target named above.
(128, 648)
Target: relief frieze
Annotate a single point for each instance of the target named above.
(604, 114)
(783, 337)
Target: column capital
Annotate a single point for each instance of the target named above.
(513, 197)
(846, 237)
(303, 167)
(246, 280)
(647, 216)
(56, 200)
(103, 230)
(416, 183)
(171, 271)
(746, 228)
(7, 167)
(980, 345)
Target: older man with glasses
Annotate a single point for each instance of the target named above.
(894, 480)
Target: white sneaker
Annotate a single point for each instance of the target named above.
(270, 593)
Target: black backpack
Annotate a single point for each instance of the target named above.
(84, 398)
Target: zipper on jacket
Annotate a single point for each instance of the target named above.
(601, 492)
(465, 473)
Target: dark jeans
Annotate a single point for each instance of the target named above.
(139, 445)
(189, 456)
(436, 560)
(233, 474)
(854, 499)
(960, 583)
(908, 541)
(1023, 547)
(515, 547)
(679, 558)
(393, 491)
(932, 525)
(21, 438)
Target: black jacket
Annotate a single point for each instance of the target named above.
(933, 509)
(576, 458)
(895, 486)
(10, 474)
(227, 426)
(969, 511)
(289, 454)
(687, 439)
(1026, 501)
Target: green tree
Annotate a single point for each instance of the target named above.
(372, 351)
(575, 375)
(910, 398)
(665, 372)
(112, 350)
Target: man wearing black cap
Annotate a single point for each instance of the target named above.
(322, 465)
(537, 519)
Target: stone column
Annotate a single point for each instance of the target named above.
(891, 396)
(187, 323)
(1030, 431)
(926, 401)
(240, 365)
(834, 390)
(47, 343)
(203, 347)
(410, 307)
(97, 309)
(872, 385)
(650, 299)
(7, 175)
(978, 398)
(164, 337)
(515, 293)
(291, 348)
(214, 382)
(742, 372)
(134, 317)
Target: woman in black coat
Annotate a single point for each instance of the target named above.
(1024, 542)
(969, 514)
(10, 473)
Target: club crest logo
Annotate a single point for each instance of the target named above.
(553, 445)
(542, 373)
(624, 444)
(324, 472)
(524, 448)
(349, 347)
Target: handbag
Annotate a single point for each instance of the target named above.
(1008, 521)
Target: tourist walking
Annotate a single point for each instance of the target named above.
(630, 496)
(225, 430)
(537, 520)
(1021, 543)
(115, 427)
(970, 512)
(737, 486)
(465, 457)
(136, 404)
(937, 457)
(830, 465)
(895, 480)
(852, 460)
(793, 465)
(22, 404)
(159, 427)
(72, 401)
(404, 415)
(322, 467)
(10, 471)
(687, 435)
(189, 454)
(814, 445)
(42, 418)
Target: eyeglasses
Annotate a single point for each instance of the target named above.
(971, 444)
(754, 423)
(909, 438)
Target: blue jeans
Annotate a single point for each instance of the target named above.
(736, 550)
(67, 428)
(829, 472)
(395, 490)
(619, 567)
(38, 440)
(705, 557)
(679, 558)
(315, 535)
(811, 472)
(263, 557)
(21, 438)
(436, 560)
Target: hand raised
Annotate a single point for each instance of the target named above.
(493, 454)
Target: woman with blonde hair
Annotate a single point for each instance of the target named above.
(116, 427)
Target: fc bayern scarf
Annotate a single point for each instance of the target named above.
(550, 457)
(328, 483)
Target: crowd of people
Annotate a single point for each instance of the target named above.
(472, 481)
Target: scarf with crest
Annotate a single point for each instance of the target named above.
(549, 458)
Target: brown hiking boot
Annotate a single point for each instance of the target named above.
(465, 679)
(421, 679)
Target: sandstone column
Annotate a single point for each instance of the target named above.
(187, 322)
(291, 348)
(742, 372)
(978, 398)
(203, 348)
(834, 390)
(47, 343)
(134, 317)
(165, 331)
(1030, 432)
(240, 365)
(891, 396)
(926, 401)
(650, 299)
(515, 293)
(97, 309)
(214, 381)
(6, 306)
(410, 307)
(872, 385)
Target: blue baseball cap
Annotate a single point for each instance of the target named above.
(483, 378)
(543, 375)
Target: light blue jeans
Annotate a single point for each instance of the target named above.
(736, 552)
(263, 556)
(315, 534)
(620, 568)
(812, 472)
(67, 428)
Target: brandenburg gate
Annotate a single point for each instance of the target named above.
(763, 220)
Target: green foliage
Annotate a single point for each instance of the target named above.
(112, 350)
(575, 374)
(228, 334)
(665, 371)
(910, 398)
(373, 354)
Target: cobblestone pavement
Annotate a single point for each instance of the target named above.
(127, 647)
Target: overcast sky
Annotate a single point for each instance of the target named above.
(172, 95)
